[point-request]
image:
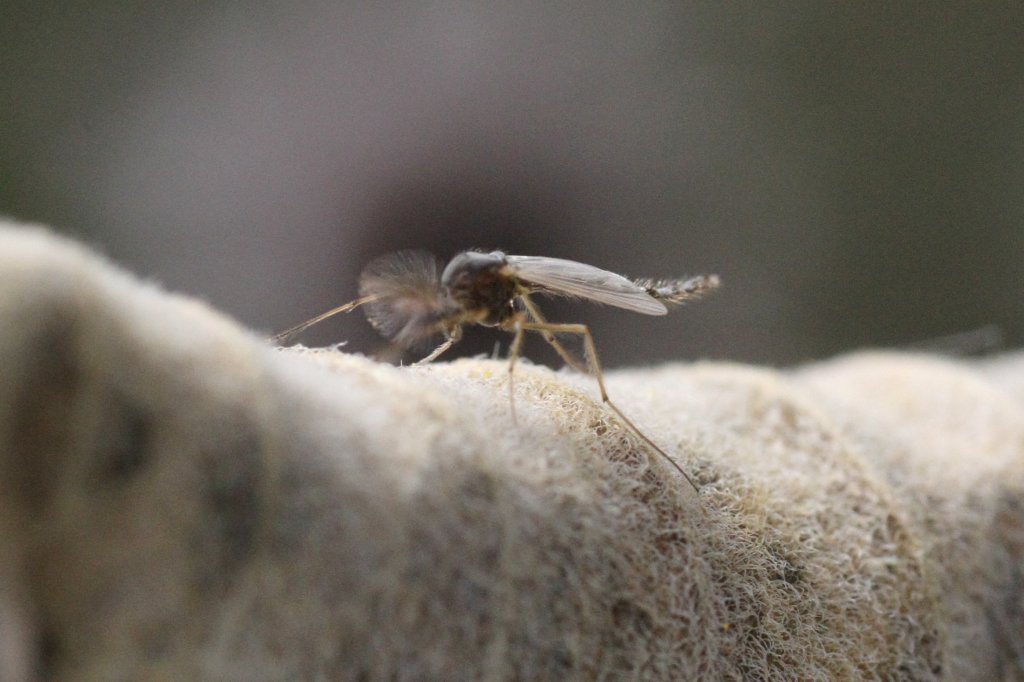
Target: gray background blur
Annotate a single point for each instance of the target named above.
(855, 172)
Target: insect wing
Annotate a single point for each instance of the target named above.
(404, 292)
(568, 278)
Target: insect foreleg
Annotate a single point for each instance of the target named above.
(591, 352)
(437, 351)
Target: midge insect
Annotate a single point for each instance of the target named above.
(407, 302)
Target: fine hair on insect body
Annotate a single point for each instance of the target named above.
(408, 299)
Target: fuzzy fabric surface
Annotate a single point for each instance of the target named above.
(180, 500)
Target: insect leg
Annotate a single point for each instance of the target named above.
(513, 355)
(351, 305)
(534, 312)
(437, 351)
(591, 351)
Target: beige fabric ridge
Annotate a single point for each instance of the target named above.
(182, 501)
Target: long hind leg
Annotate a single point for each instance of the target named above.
(548, 328)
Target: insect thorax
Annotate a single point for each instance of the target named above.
(481, 286)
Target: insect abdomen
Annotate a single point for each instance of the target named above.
(679, 290)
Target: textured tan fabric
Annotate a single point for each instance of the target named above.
(182, 501)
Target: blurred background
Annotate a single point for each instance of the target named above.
(855, 172)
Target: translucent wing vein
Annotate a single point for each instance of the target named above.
(560, 277)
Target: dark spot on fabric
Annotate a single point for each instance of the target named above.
(41, 417)
(125, 436)
(295, 514)
(232, 503)
(781, 567)
(792, 574)
(478, 485)
(628, 616)
(562, 659)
